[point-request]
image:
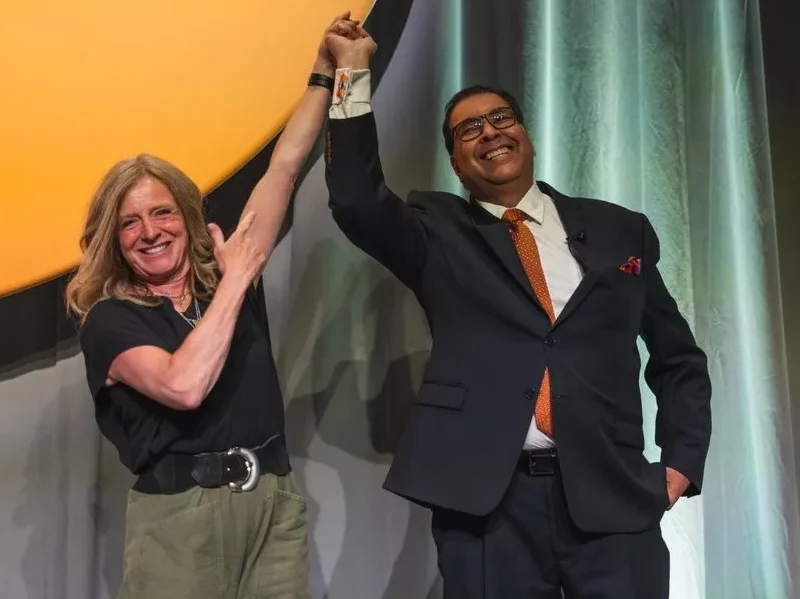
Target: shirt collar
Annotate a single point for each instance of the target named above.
(532, 204)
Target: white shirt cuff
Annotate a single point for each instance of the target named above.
(352, 94)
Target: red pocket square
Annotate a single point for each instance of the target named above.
(632, 267)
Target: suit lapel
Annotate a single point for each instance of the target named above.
(571, 212)
(497, 236)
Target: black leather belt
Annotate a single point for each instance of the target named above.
(538, 462)
(239, 468)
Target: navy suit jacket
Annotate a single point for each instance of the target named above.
(492, 340)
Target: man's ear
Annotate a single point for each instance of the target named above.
(456, 169)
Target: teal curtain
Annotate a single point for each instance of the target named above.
(659, 106)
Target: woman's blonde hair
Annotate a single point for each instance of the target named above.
(103, 272)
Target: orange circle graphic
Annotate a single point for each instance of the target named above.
(203, 84)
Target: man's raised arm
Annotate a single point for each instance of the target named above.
(367, 211)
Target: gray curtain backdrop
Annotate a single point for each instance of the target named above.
(657, 105)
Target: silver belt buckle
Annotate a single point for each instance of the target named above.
(253, 472)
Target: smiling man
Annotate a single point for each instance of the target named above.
(526, 437)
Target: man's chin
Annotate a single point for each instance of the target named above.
(495, 180)
(502, 172)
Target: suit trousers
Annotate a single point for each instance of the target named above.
(529, 548)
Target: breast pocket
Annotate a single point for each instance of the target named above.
(449, 396)
(619, 298)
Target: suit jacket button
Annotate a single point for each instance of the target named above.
(549, 341)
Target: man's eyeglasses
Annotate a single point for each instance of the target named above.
(469, 129)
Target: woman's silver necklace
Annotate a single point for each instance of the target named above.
(192, 321)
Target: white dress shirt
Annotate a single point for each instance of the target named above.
(561, 270)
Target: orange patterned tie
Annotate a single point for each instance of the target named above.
(529, 254)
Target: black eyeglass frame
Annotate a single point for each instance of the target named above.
(459, 130)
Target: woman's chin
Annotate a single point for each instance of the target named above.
(158, 271)
(160, 268)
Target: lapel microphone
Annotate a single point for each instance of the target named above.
(578, 238)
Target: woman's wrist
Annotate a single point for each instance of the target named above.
(233, 285)
(323, 66)
(320, 80)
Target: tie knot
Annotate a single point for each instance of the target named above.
(514, 215)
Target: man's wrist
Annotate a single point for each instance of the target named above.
(357, 61)
(352, 86)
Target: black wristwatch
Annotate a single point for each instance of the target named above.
(321, 81)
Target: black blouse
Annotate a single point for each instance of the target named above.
(244, 408)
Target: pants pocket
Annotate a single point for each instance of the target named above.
(283, 569)
(664, 492)
(174, 557)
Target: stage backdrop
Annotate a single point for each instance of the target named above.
(658, 106)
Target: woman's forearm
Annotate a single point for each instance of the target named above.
(272, 193)
(195, 367)
(303, 127)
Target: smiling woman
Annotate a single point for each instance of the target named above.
(181, 370)
(149, 213)
(152, 235)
